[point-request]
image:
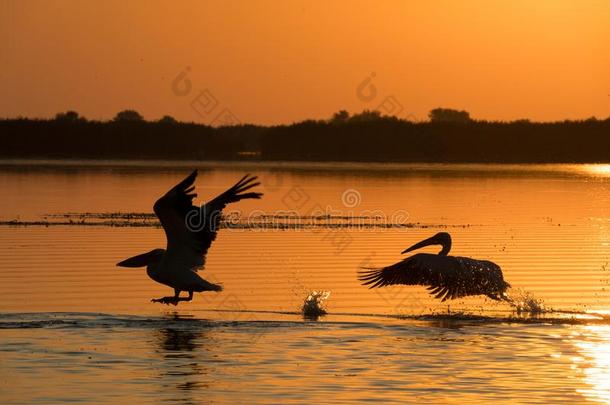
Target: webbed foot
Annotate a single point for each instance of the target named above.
(166, 300)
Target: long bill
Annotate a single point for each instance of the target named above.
(138, 261)
(426, 242)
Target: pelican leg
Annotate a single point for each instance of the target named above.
(169, 300)
(189, 298)
(166, 300)
(173, 300)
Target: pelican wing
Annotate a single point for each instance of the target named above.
(173, 207)
(447, 277)
(190, 230)
(210, 213)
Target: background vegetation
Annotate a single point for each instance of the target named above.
(449, 136)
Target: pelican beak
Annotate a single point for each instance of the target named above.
(137, 261)
(426, 242)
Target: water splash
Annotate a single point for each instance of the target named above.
(525, 302)
(313, 306)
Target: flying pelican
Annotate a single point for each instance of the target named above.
(447, 277)
(190, 230)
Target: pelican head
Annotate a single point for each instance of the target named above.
(441, 238)
(145, 259)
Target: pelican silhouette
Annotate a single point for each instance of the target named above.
(190, 231)
(447, 277)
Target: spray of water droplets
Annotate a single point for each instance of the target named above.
(525, 302)
(313, 306)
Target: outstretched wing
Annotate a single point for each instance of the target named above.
(189, 229)
(210, 213)
(447, 277)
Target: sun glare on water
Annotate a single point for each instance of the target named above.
(596, 350)
(601, 170)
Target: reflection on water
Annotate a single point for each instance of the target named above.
(593, 343)
(96, 358)
(182, 354)
(548, 226)
(599, 169)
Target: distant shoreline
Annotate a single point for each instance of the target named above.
(266, 164)
(382, 140)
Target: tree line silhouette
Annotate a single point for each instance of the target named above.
(448, 136)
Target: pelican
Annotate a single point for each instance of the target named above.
(190, 231)
(447, 277)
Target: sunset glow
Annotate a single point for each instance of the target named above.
(305, 202)
(278, 62)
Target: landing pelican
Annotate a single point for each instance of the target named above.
(447, 277)
(190, 231)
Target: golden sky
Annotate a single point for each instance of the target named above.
(279, 61)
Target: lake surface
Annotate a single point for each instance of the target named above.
(73, 327)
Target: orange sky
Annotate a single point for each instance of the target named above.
(280, 61)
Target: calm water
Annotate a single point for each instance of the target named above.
(73, 327)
